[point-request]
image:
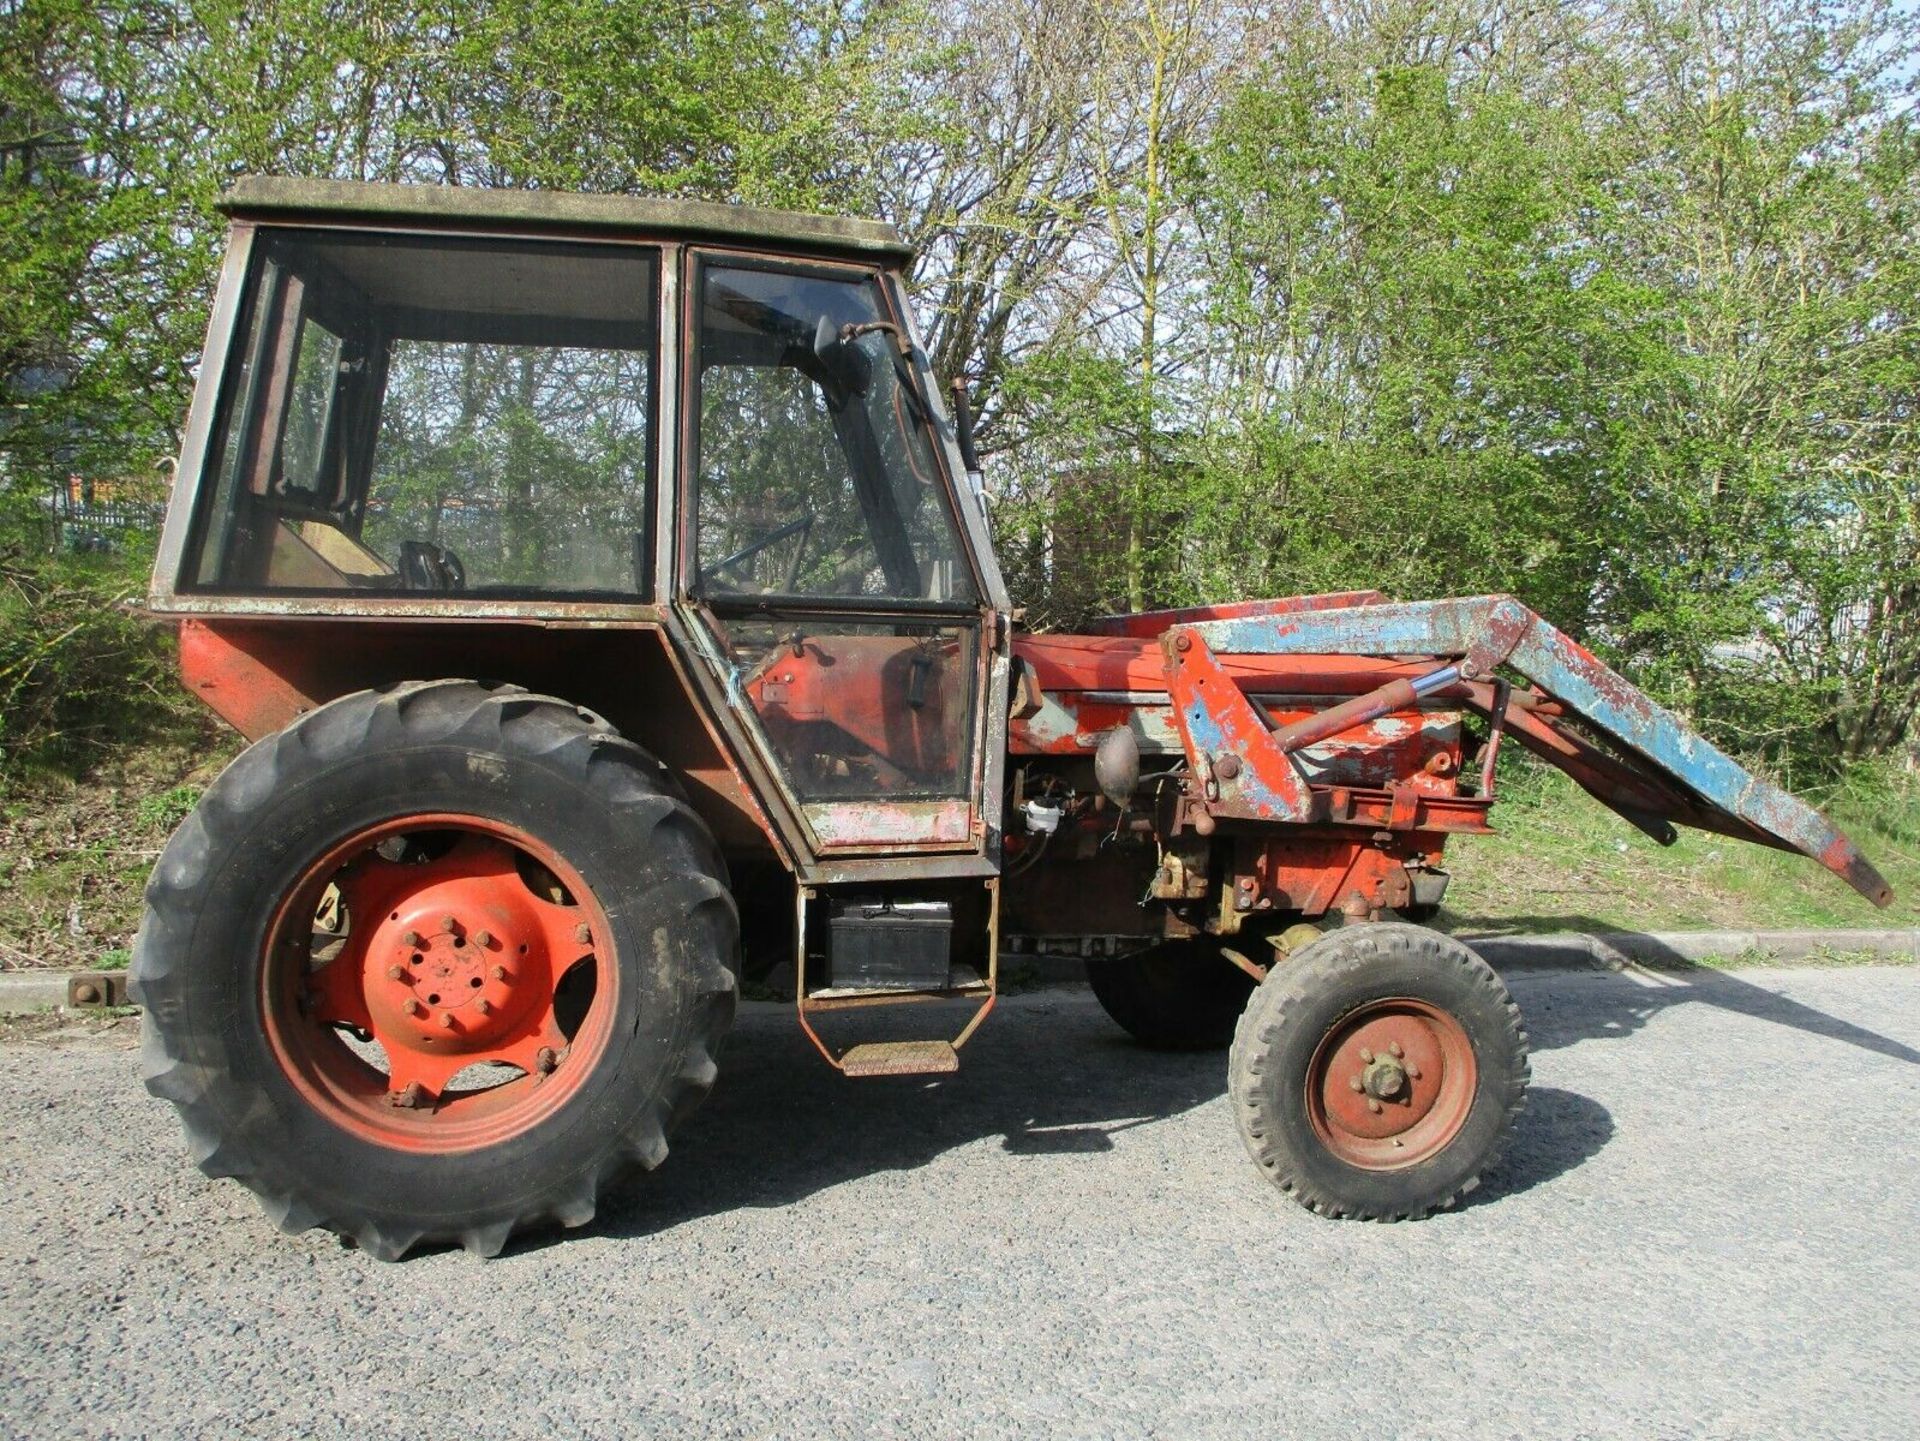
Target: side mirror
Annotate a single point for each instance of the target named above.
(963, 432)
(843, 363)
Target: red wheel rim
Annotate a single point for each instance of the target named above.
(1392, 1084)
(438, 983)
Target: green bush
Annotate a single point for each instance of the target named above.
(81, 676)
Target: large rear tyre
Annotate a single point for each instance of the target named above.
(1376, 1074)
(1176, 996)
(435, 964)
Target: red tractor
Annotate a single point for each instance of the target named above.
(603, 588)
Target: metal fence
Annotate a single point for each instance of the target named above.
(80, 523)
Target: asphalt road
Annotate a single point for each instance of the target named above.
(1705, 1228)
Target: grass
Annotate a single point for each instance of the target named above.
(1563, 862)
(1821, 957)
(75, 852)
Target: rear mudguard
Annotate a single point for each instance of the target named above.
(1636, 756)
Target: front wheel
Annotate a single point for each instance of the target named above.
(435, 964)
(1376, 1074)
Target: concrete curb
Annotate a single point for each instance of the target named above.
(1615, 949)
(1612, 950)
(24, 991)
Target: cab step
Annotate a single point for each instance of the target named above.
(901, 1058)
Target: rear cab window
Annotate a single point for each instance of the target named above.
(410, 414)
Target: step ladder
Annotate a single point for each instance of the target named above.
(893, 1058)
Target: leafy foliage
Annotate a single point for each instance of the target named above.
(1611, 304)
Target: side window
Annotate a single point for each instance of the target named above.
(316, 375)
(415, 414)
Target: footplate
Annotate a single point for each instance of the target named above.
(904, 1057)
(901, 1058)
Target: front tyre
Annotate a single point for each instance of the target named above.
(435, 964)
(1376, 1074)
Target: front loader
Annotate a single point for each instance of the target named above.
(602, 589)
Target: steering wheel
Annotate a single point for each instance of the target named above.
(801, 527)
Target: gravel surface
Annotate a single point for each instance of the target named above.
(1705, 1228)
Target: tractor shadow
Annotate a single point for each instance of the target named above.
(1048, 1076)
(1614, 998)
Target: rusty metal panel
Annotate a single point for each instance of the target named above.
(1148, 624)
(1242, 772)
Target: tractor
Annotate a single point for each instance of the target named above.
(605, 589)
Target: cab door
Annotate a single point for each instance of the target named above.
(822, 554)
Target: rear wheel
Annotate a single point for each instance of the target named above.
(435, 964)
(1376, 1074)
(1176, 996)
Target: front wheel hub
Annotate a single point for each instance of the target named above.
(1384, 1080)
(1391, 1084)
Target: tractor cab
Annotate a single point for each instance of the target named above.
(580, 410)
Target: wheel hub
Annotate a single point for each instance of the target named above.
(445, 962)
(461, 971)
(1391, 1084)
(1384, 1080)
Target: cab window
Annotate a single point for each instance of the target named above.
(414, 414)
(815, 469)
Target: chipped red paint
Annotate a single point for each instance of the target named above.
(890, 826)
(1652, 768)
(1232, 754)
(1317, 873)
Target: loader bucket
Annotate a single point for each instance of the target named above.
(1630, 753)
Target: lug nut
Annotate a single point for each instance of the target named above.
(583, 933)
(446, 1021)
(544, 1060)
(483, 1005)
(483, 938)
(447, 923)
(395, 973)
(412, 1007)
(499, 973)
(1393, 1048)
(1413, 1072)
(1366, 1055)
(410, 939)
(1373, 1105)
(412, 1095)
(1357, 1084)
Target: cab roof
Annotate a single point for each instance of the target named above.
(287, 200)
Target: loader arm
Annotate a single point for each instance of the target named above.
(1649, 765)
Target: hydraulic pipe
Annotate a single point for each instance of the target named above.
(1394, 695)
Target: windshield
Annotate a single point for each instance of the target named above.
(815, 463)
